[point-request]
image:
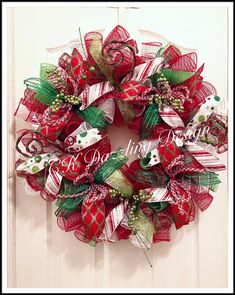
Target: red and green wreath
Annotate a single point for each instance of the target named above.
(160, 95)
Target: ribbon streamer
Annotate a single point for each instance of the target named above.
(113, 219)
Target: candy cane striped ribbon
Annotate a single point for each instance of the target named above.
(159, 194)
(177, 165)
(171, 117)
(179, 196)
(91, 93)
(205, 157)
(113, 220)
(145, 70)
(53, 181)
(108, 107)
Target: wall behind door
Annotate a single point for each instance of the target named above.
(40, 254)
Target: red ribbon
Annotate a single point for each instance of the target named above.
(89, 223)
(177, 62)
(93, 210)
(173, 162)
(52, 125)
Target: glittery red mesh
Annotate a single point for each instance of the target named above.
(162, 225)
(117, 34)
(70, 223)
(185, 63)
(30, 108)
(37, 181)
(122, 233)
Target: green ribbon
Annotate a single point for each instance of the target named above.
(150, 120)
(154, 78)
(70, 204)
(45, 92)
(145, 226)
(201, 179)
(152, 178)
(176, 77)
(94, 116)
(160, 52)
(144, 161)
(114, 162)
(158, 206)
(68, 188)
(173, 77)
(120, 183)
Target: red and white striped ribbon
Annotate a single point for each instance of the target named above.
(91, 93)
(145, 70)
(149, 50)
(113, 219)
(25, 114)
(160, 194)
(53, 181)
(108, 107)
(205, 157)
(171, 117)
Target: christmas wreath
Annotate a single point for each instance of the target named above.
(160, 95)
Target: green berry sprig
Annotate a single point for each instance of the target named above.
(113, 193)
(165, 97)
(163, 87)
(163, 83)
(58, 101)
(52, 72)
(133, 209)
(56, 104)
(62, 98)
(72, 99)
(177, 104)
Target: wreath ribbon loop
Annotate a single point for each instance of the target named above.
(181, 201)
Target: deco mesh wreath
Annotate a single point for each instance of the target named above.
(161, 96)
